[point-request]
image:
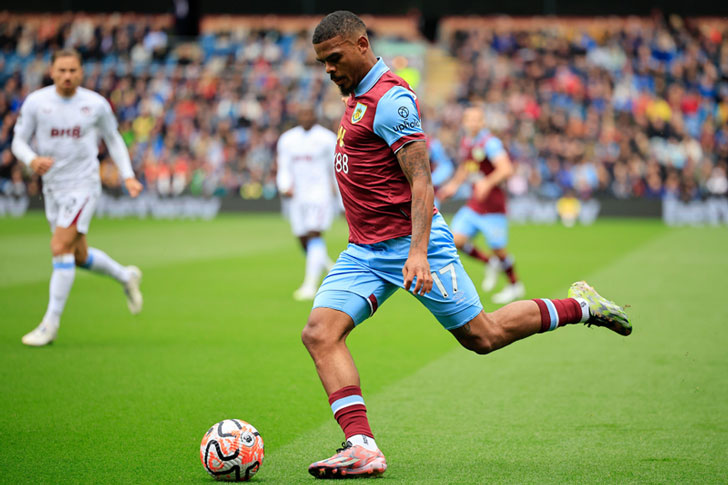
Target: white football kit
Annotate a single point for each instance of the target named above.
(67, 130)
(305, 166)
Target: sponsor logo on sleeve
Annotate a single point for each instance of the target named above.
(403, 112)
(405, 125)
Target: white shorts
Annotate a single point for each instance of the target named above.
(307, 216)
(66, 208)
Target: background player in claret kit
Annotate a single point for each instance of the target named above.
(66, 120)
(305, 175)
(484, 162)
(398, 240)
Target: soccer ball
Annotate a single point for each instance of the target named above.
(232, 450)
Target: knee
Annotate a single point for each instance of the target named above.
(309, 335)
(315, 335)
(480, 345)
(459, 240)
(501, 253)
(481, 335)
(59, 247)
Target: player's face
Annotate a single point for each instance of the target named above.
(473, 121)
(67, 74)
(344, 60)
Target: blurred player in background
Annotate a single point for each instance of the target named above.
(67, 120)
(441, 164)
(397, 239)
(485, 163)
(306, 176)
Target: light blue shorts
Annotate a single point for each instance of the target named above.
(493, 226)
(365, 275)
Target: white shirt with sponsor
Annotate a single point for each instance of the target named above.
(306, 163)
(68, 130)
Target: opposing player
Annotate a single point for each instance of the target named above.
(398, 240)
(67, 120)
(306, 176)
(485, 163)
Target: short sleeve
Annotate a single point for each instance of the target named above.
(397, 119)
(494, 148)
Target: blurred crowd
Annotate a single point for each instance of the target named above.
(200, 116)
(634, 109)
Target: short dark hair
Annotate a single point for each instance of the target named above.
(66, 53)
(341, 22)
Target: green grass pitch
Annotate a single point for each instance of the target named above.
(122, 399)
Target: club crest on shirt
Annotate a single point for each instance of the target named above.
(85, 110)
(358, 113)
(478, 154)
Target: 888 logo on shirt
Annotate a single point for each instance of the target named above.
(341, 162)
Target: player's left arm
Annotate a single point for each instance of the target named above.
(117, 149)
(415, 163)
(503, 168)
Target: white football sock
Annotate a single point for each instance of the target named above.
(321, 258)
(365, 441)
(315, 262)
(100, 262)
(64, 272)
(328, 264)
(585, 314)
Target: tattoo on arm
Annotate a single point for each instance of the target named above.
(415, 163)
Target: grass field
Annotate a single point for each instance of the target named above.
(122, 399)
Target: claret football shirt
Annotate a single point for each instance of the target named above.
(382, 116)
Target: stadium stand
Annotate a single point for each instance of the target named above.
(632, 107)
(613, 107)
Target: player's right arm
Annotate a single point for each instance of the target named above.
(23, 133)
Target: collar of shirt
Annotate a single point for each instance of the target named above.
(64, 98)
(482, 135)
(371, 78)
